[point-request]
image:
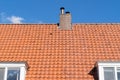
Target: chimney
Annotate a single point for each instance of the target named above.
(65, 20)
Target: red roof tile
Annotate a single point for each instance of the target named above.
(54, 54)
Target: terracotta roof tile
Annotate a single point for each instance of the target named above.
(54, 54)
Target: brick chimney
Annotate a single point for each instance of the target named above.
(65, 20)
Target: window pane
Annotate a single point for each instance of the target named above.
(2, 72)
(13, 74)
(109, 73)
(118, 73)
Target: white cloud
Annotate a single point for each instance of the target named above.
(15, 19)
(10, 19)
(3, 17)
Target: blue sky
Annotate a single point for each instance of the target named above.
(47, 11)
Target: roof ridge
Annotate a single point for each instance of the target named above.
(29, 24)
(95, 23)
(56, 23)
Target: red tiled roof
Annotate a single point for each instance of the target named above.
(54, 54)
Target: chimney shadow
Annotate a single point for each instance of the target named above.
(57, 24)
(94, 73)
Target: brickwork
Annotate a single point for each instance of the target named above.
(65, 20)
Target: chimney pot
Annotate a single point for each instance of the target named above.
(67, 12)
(62, 10)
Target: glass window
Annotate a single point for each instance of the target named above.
(13, 74)
(118, 73)
(109, 70)
(2, 72)
(109, 73)
(12, 71)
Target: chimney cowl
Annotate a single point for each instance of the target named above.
(62, 8)
(67, 12)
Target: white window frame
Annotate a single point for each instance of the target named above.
(21, 65)
(101, 65)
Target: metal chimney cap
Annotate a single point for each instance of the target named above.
(62, 8)
(67, 12)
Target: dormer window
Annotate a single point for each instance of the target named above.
(12, 71)
(109, 70)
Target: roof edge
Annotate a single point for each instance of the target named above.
(104, 62)
(57, 24)
(17, 62)
(94, 23)
(29, 24)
